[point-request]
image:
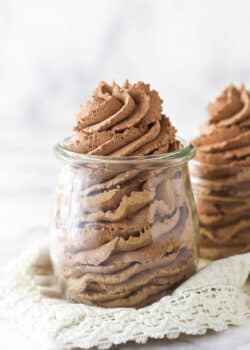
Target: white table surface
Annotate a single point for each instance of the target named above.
(27, 186)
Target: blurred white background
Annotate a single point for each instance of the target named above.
(53, 54)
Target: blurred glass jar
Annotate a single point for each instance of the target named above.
(222, 194)
(126, 230)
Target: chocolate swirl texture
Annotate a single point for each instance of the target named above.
(126, 233)
(221, 175)
(123, 121)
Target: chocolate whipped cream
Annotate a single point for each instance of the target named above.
(126, 232)
(123, 121)
(221, 175)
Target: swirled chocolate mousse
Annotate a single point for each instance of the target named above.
(221, 175)
(125, 230)
(123, 121)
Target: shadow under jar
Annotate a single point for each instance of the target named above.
(125, 231)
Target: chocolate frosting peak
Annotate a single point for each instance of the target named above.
(225, 138)
(121, 121)
(231, 108)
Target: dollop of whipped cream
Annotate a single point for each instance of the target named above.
(225, 138)
(123, 121)
(221, 176)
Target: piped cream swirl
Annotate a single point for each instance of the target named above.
(125, 232)
(123, 121)
(221, 177)
(225, 139)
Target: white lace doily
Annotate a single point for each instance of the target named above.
(213, 299)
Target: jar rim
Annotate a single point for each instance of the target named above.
(180, 156)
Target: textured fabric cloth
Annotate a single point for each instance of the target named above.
(213, 299)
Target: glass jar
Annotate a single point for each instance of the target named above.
(125, 230)
(222, 196)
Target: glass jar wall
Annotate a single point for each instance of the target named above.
(222, 197)
(125, 231)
